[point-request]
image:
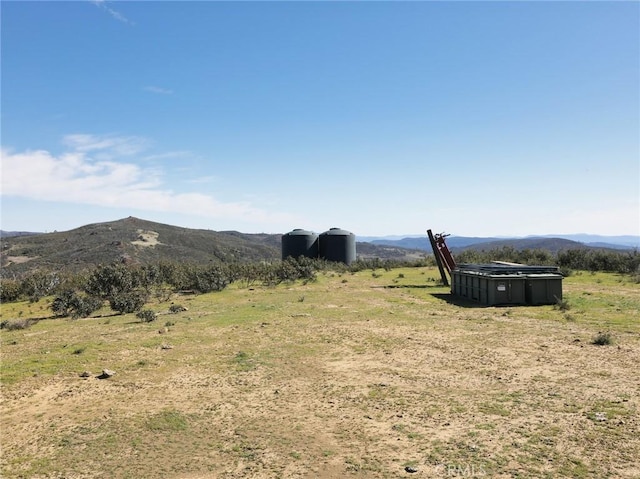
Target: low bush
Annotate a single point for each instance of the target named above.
(75, 304)
(602, 339)
(176, 308)
(130, 302)
(9, 290)
(40, 284)
(562, 305)
(146, 316)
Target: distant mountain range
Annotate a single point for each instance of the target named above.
(552, 243)
(11, 234)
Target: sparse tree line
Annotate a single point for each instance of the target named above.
(127, 288)
(622, 262)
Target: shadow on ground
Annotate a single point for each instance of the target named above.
(457, 301)
(410, 286)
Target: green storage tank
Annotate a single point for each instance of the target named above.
(298, 243)
(338, 245)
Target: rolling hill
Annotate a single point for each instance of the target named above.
(134, 240)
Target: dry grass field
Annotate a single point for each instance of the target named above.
(367, 375)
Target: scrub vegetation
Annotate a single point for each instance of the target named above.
(371, 372)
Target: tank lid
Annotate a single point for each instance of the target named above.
(337, 232)
(300, 232)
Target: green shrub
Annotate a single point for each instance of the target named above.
(129, 302)
(565, 271)
(176, 308)
(205, 279)
(85, 306)
(110, 281)
(146, 316)
(75, 304)
(40, 284)
(9, 290)
(602, 339)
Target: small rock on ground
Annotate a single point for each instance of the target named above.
(106, 373)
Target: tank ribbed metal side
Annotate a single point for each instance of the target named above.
(298, 243)
(338, 245)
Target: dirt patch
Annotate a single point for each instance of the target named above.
(146, 238)
(19, 259)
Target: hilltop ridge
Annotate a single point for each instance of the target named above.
(134, 240)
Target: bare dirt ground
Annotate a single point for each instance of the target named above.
(18, 259)
(146, 238)
(346, 377)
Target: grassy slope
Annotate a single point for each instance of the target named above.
(342, 377)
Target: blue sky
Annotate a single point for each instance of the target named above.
(382, 118)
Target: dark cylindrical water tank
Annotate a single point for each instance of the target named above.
(298, 243)
(338, 245)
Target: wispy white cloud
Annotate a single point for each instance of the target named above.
(107, 144)
(115, 14)
(96, 171)
(158, 90)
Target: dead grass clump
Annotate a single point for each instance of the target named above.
(562, 305)
(16, 324)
